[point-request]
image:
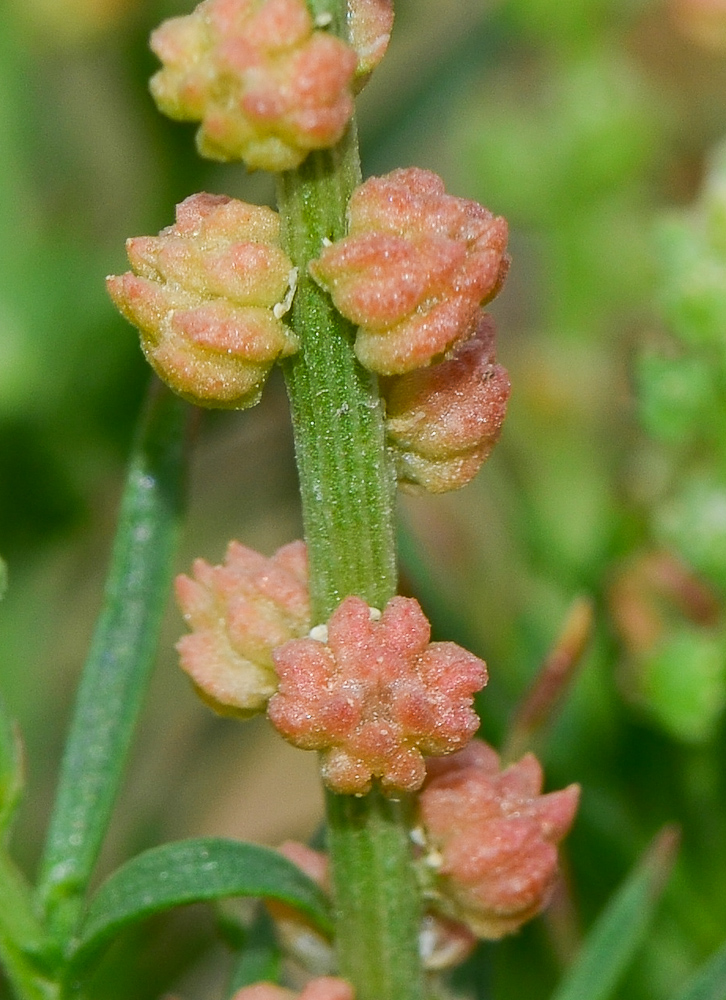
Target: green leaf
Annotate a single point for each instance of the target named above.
(709, 982)
(193, 871)
(3, 578)
(118, 667)
(11, 770)
(622, 927)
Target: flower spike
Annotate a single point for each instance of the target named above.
(375, 696)
(238, 613)
(415, 268)
(207, 296)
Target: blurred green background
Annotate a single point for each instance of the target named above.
(594, 126)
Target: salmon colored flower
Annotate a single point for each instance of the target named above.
(322, 988)
(491, 838)
(442, 422)
(375, 696)
(414, 269)
(238, 613)
(267, 85)
(207, 296)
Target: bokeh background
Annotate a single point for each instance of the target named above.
(594, 126)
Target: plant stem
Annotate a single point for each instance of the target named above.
(345, 480)
(377, 907)
(119, 662)
(347, 488)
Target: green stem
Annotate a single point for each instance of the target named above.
(377, 899)
(347, 488)
(345, 480)
(119, 662)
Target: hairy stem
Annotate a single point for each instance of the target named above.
(347, 489)
(119, 662)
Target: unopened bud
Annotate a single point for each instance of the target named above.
(203, 295)
(415, 268)
(442, 422)
(238, 613)
(376, 697)
(267, 85)
(494, 836)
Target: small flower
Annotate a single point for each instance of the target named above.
(376, 696)
(206, 296)
(442, 422)
(238, 613)
(491, 838)
(267, 86)
(414, 269)
(322, 988)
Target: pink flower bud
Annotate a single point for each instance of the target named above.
(322, 988)
(207, 295)
(238, 613)
(375, 696)
(267, 86)
(491, 838)
(443, 421)
(414, 269)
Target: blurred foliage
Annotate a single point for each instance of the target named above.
(591, 125)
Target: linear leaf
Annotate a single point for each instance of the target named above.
(11, 771)
(621, 928)
(116, 674)
(193, 871)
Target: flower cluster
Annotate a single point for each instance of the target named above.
(267, 85)
(491, 838)
(207, 295)
(375, 695)
(239, 613)
(443, 421)
(415, 268)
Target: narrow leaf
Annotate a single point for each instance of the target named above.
(622, 927)
(709, 982)
(193, 871)
(119, 662)
(11, 770)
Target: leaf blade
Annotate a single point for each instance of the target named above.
(193, 871)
